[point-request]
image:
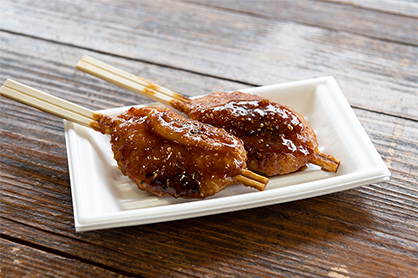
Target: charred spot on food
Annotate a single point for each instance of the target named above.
(159, 182)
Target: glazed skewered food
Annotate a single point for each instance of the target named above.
(160, 151)
(278, 139)
(165, 153)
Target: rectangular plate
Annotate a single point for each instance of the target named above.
(104, 198)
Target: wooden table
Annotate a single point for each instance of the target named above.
(197, 47)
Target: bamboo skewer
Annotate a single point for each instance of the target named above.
(252, 179)
(128, 81)
(46, 102)
(83, 116)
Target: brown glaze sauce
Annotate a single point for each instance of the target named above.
(168, 154)
(264, 127)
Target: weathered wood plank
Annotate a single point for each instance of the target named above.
(246, 242)
(374, 74)
(369, 18)
(19, 260)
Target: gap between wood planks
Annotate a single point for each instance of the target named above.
(315, 25)
(362, 5)
(179, 69)
(64, 254)
(339, 2)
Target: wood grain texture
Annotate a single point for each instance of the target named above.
(368, 18)
(194, 49)
(400, 7)
(19, 260)
(375, 74)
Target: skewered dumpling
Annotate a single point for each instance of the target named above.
(278, 139)
(167, 154)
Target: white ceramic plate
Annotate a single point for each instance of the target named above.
(104, 198)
